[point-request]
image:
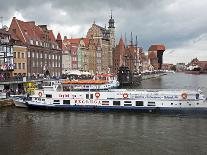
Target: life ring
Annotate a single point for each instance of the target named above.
(184, 96)
(125, 95)
(97, 95)
(40, 94)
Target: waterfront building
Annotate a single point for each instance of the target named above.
(167, 66)
(20, 60)
(43, 53)
(104, 41)
(180, 67)
(155, 55)
(6, 54)
(78, 49)
(197, 62)
(128, 55)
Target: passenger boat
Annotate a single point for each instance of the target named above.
(64, 97)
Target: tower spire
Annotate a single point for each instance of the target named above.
(131, 39)
(125, 39)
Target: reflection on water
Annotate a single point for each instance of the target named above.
(24, 131)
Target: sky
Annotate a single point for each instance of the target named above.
(181, 25)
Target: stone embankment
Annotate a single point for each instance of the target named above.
(6, 102)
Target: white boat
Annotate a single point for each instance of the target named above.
(64, 97)
(19, 100)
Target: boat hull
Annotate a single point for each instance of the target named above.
(182, 110)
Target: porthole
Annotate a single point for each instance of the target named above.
(171, 103)
(180, 103)
(197, 103)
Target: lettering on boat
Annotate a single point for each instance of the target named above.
(87, 102)
(64, 95)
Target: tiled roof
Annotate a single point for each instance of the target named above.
(157, 48)
(28, 30)
(76, 41)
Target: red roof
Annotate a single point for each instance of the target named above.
(77, 41)
(28, 30)
(157, 48)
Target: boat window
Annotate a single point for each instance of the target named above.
(117, 103)
(39, 99)
(127, 102)
(87, 96)
(197, 96)
(48, 96)
(180, 103)
(91, 96)
(139, 103)
(151, 104)
(171, 103)
(66, 101)
(105, 102)
(35, 98)
(43, 99)
(197, 103)
(56, 102)
(189, 104)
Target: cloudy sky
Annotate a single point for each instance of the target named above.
(181, 25)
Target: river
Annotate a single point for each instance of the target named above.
(29, 132)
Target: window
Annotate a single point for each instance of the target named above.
(197, 96)
(31, 42)
(45, 55)
(28, 54)
(66, 101)
(23, 66)
(15, 66)
(91, 96)
(139, 103)
(33, 54)
(87, 96)
(48, 96)
(116, 103)
(18, 54)
(41, 55)
(171, 103)
(56, 102)
(22, 55)
(127, 104)
(14, 54)
(151, 103)
(19, 65)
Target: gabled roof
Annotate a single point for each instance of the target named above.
(76, 41)
(26, 31)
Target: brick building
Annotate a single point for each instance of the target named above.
(43, 53)
(155, 56)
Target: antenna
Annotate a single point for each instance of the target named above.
(111, 13)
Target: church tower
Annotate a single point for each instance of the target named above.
(111, 28)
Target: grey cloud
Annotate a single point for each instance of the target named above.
(152, 20)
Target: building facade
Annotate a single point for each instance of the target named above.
(104, 41)
(43, 50)
(6, 54)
